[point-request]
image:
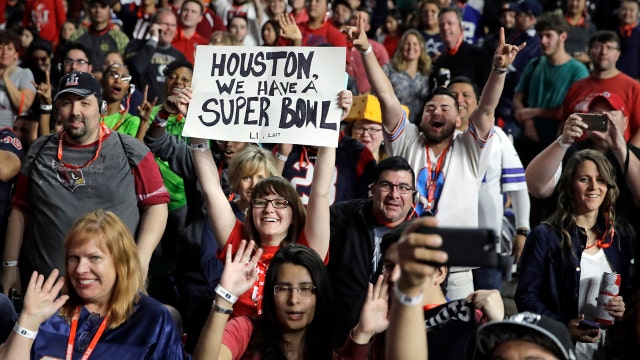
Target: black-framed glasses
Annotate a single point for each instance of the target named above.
(70, 61)
(276, 203)
(403, 189)
(93, 321)
(359, 130)
(123, 77)
(304, 290)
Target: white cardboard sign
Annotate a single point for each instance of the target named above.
(267, 94)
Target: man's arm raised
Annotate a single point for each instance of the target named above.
(483, 116)
(380, 84)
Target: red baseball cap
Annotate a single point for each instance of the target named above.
(612, 99)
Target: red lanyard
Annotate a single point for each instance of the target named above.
(72, 336)
(102, 131)
(601, 241)
(433, 177)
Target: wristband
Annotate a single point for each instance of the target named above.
(226, 294)
(562, 145)
(24, 332)
(200, 147)
(406, 299)
(219, 309)
(281, 157)
(368, 51)
(10, 263)
(45, 107)
(524, 232)
(499, 70)
(160, 120)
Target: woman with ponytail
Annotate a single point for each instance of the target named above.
(565, 257)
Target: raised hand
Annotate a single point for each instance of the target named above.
(179, 103)
(44, 91)
(573, 129)
(374, 315)
(41, 300)
(345, 100)
(415, 253)
(505, 53)
(144, 110)
(357, 35)
(289, 29)
(240, 273)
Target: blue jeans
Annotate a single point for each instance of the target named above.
(487, 279)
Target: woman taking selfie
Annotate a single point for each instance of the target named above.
(105, 314)
(564, 258)
(295, 323)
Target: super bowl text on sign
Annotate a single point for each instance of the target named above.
(267, 94)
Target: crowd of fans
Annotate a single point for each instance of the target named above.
(462, 113)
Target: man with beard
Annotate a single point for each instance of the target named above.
(116, 86)
(84, 167)
(433, 149)
(604, 52)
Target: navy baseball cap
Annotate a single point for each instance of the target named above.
(531, 7)
(540, 329)
(79, 83)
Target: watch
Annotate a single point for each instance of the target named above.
(524, 232)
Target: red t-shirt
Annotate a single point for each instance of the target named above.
(47, 16)
(250, 303)
(187, 46)
(582, 91)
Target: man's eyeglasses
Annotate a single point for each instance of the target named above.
(304, 290)
(276, 203)
(122, 77)
(403, 189)
(359, 130)
(69, 61)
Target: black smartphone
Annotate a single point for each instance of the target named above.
(465, 246)
(585, 324)
(595, 122)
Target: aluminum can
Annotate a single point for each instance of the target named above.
(609, 287)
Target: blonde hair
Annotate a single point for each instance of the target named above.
(250, 161)
(111, 235)
(424, 62)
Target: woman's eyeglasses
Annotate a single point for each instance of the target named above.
(359, 130)
(304, 290)
(122, 77)
(276, 203)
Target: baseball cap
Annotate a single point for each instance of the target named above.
(79, 83)
(531, 7)
(102, 2)
(539, 329)
(612, 99)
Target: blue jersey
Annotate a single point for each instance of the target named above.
(150, 333)
(351, 177)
